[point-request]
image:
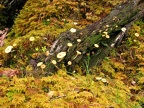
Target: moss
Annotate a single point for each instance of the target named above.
(45, 20)
(79, 91)
(58, 15)
(127, 62)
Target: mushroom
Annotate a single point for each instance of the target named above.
(61, 55)
(77, 53)
(96, 45)
(69, 45)
(69, 63)
(123, 29)
(73, 30)
(8, 49)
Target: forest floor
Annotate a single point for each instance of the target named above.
(118, 82)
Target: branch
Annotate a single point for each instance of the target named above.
(3, 34)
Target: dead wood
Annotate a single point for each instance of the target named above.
(122, 16)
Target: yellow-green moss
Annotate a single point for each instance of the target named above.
(45, 20)
(57, 16)
(53, 91)
(127, 62)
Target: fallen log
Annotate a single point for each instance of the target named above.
(87, 47)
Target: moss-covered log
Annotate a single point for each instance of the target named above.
(88, 46)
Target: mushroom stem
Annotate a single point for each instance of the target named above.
(78, 53)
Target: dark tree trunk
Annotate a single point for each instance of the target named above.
(8, 14)
(122, 16)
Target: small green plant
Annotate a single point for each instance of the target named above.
(44, 49)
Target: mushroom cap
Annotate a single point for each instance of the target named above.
(73, 30)
(107, 36)
(31, 38)
(96, 45)
(78, 40)
(78, 52)
(61, 55)
(123, 29)
(8, 49)
(54, 62)
(136, 34)
(47, 53)
(39, 64)
(69, 63)
(69, 44)
(43, 66)
(105, 32)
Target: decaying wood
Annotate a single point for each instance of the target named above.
(9, 72)
(3, 34)
(13, 5)
(121, 16)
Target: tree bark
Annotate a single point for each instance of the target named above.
(122, 16)
(8, 14)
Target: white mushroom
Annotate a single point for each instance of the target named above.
(69, 63)
(69, 44)
(43, 66)
(136, 34)
(73, 30)
(53, 62)
(61, 55)
(31, 38)
(39, 64)
(77, 53)
(78, 40)
(96, 45)
(8, 49)
(47, 53)
(123, 29)
(107, 36)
